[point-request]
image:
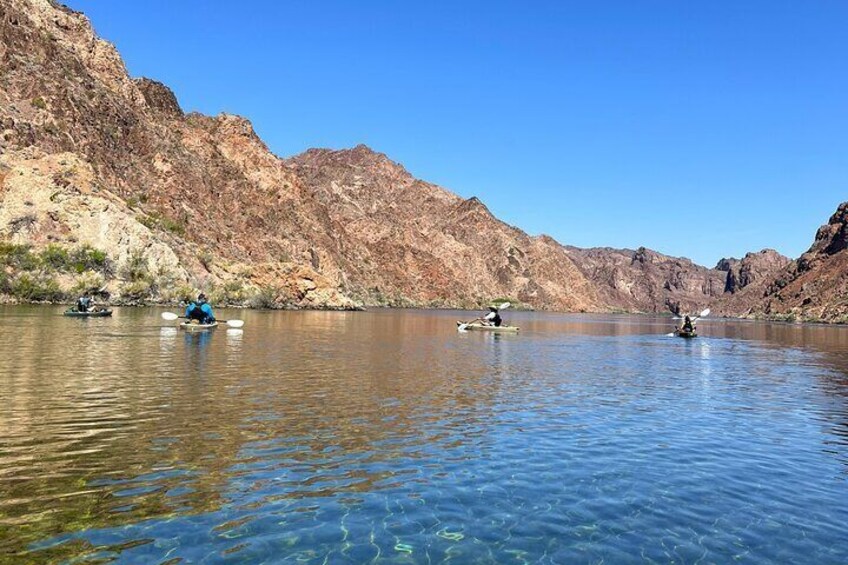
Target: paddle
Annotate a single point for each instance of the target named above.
(170, 316)
(463, 326)
(703, 314)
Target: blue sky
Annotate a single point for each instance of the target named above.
(701, 129)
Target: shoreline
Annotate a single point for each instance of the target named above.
(775, 319)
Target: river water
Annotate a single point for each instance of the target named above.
(389, 437)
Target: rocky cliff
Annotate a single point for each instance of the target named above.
(414, 242)
(91, 156)
(747, 281)
(815, 286)
(201, 199)
(647, 281)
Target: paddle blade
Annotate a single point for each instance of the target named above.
(235, 323)
(705, 313)
(170, 316)
(504, 305)
(461, 327)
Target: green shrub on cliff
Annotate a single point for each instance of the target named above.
(231, 292)
(31, 287)
(154, 220)
(265, 297)
(18, 257)
(78, 260)
(135, 268)
(181, 293)
(87, 282)
(87, 258)
(137, 291)
(55, 257)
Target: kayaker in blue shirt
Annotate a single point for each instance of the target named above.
(200, 310)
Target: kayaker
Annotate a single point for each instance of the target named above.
(85, 303)
(687, 327)
(200, 310)
(493, 318)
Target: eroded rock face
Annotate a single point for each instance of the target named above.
(815, 286)
(206, 188)
(54, 199)
(753, 268)
(647, 281)
(159, 97)
(748, 280)
(408, 241)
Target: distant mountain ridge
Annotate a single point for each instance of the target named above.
(90, 156)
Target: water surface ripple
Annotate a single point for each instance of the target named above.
(388, 437)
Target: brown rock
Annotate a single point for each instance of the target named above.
(647, 281)
(815, 286)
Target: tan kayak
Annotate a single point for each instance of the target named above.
(486, 328)
(195, 327)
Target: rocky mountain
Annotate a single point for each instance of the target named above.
(647, 281)
(96, 164)
(92, 157)
(755, 268)
(747, 281)
(416, 243)
(815, 286)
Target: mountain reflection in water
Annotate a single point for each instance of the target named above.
(389, 436)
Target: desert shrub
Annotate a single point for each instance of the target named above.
(135, 268)
(138, 290)
(181, 293)
(55, 257)
(173, 226)
(155, 220)
(87, 282)
(147, 221)
(79, 260)
(28, 286)
(87, 258)
(265, 297)
(39, 103)
(18, 256)
(231, 292)
(206, 258)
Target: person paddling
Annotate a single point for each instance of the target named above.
(200, 310)
(688, 326)
(493, 318)
(85, 303)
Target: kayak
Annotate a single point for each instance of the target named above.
(485, 328)
(680, 333)
(95, 314)
(194, 327)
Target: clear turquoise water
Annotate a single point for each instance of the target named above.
(388, 437)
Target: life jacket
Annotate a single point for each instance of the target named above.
(497, 319)
(195, 313)
(83, 304)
